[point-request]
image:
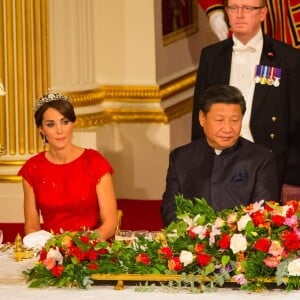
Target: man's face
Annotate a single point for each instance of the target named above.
(245, 23)
(222, 125)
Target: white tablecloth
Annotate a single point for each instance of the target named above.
(13, 287)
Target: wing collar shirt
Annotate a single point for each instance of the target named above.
(242, 75)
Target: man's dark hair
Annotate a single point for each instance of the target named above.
(226, 94)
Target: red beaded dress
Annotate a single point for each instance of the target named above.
(66, 193)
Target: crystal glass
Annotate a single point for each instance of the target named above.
(123, 235)
(152, 235)
(140, 233)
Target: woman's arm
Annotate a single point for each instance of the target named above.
(31, 213)
(108, 207)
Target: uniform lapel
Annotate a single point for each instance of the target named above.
(223, 63)
(268, 58)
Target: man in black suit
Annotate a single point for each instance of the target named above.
(222, 167)
(268, 74)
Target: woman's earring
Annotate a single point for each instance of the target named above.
(44, 139)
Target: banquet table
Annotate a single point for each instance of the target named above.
(13, 286)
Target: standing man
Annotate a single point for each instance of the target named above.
(267, 72)
(281, 23)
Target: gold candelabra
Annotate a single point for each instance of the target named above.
(20, 251)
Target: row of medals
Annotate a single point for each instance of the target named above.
(267, 75)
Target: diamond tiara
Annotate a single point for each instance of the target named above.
(48, 98)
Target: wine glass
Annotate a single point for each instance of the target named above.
(140, 233)
(124, 235)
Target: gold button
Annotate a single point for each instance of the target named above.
(272, 135)
(274, 119)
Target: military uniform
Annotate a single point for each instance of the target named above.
(282, 21)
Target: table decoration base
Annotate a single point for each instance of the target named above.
(121, 278)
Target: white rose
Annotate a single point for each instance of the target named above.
(294, 267)
(186, 257)
(238, 243)
(242, 222)
(54, 253)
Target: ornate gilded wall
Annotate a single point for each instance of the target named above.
(24, 72)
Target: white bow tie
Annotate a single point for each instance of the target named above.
(239, 49)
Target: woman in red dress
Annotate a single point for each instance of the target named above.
(68, 186)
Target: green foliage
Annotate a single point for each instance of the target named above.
(194, 207)
(248, 245)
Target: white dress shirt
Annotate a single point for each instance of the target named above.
(242, 75)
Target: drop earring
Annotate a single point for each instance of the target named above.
(44, 139)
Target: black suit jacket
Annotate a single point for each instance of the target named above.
(275, 116)
(247, 175)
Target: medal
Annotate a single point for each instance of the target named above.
(263, 80)
(258, 71)
(277, 77)
(271, 76)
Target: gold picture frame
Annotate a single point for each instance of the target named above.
(179, 19)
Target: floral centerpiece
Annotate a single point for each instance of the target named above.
(247, 245)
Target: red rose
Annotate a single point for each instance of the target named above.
(174, 264)
(57, 270)
(263, 244)
(166, 251)
(290, 241)
(78, 253)
(203, 259)
(224, 242)
(92, 255)
(143, 258)
(258, 218)
(278, 220)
